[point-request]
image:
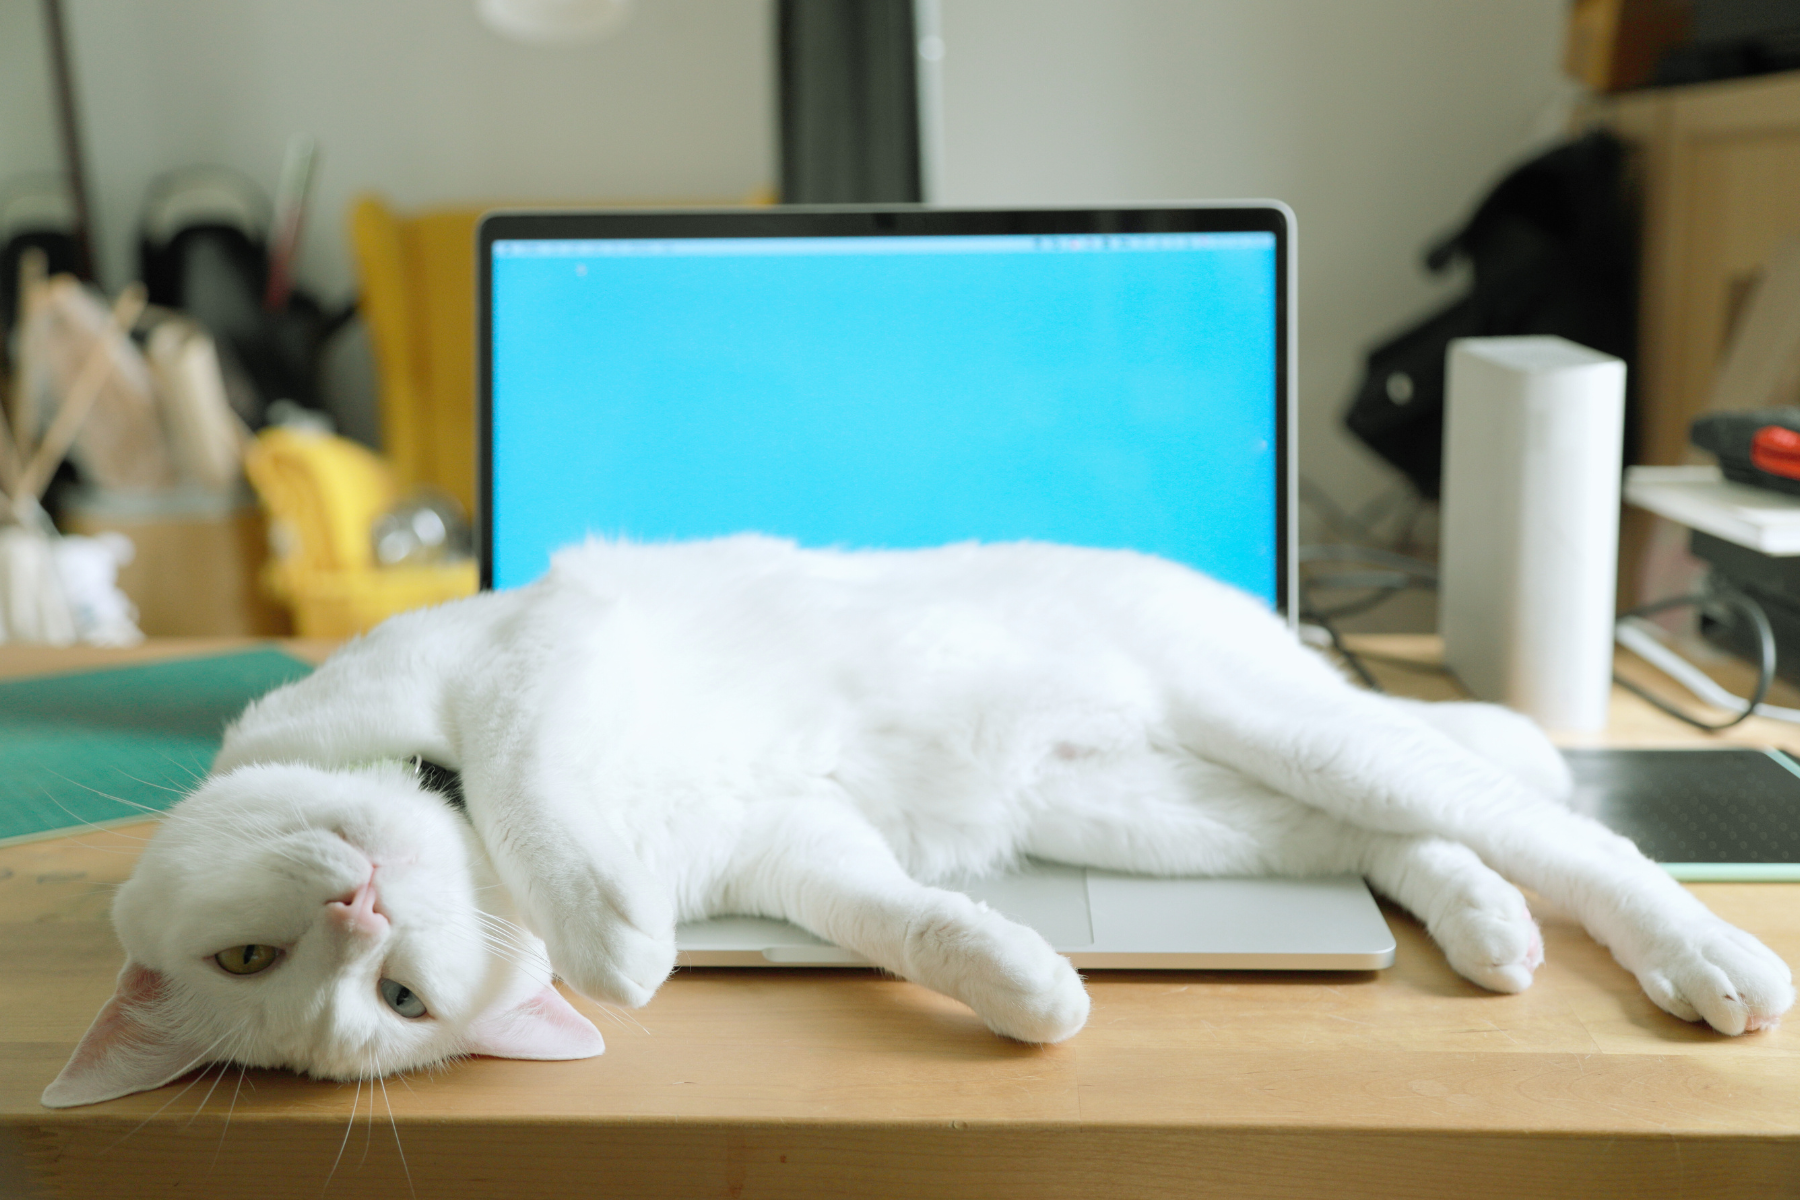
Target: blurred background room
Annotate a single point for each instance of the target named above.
(237, 267)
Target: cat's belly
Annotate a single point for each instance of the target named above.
(960, 794)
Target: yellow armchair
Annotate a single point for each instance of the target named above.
(323, 494)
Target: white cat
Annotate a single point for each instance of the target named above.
(658, 733)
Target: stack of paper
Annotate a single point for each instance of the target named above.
(1701, 498)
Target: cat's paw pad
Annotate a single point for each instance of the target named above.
(1721, 975)
(1498, 947)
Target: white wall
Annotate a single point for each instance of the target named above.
(419, 100)
(1380, 121)
(28, 144)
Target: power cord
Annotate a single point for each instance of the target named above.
(1391, 574)
(1631, 632)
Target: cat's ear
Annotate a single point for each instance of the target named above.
(544, 1026)
(126, 1049)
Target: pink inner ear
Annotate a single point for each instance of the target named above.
(124, 1050)
(544, 1027)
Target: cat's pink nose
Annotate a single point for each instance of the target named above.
(359, 913)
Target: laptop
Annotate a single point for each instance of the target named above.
(900, 377)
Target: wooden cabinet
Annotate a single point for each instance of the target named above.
(1719, 166)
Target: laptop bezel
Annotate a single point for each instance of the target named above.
(1265, 216)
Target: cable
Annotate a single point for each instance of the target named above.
(1634, 637)
(1356, 664)
(1406, 564)
(1640, 638)
(1396, 573)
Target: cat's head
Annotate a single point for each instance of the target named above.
(339, 923)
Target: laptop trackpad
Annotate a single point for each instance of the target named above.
(1106, 919)
(1050, 897)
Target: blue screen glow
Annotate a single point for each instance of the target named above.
(1103, 390)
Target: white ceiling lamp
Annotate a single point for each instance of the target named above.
(554, 22)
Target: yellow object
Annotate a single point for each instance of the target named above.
(418, 298)
(323, 494)
(417, 274)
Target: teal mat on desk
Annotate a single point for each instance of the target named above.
(94, 746)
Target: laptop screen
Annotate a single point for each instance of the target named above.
(1101, 389)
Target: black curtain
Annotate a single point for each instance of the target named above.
(849, 102)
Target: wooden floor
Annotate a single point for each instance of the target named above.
(1408, 1082)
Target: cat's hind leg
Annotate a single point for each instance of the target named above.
(1479, 920)
(1511, 741)
(1171, 814)
(1305, 732)
(820, 864)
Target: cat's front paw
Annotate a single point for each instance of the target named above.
(612, 960)
(1016, 983)
(1052, 1009)
(1719, 974)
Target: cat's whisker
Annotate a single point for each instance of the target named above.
(217, 1150)
(165, 1104)
(201, 1107)
(501, 933)
(622, 1017)
(203, 1058)
(369, 1134)
(145, 808)
(195, 774)
(395, 1124)
(348, 1126)
(161, 787)
(521, 955)
(503, 937)
(503, 926)
(232, 1052)
(535, 968)
(81, 820)
(109, 828)
(503, 941)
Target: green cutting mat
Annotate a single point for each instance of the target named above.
(102, 746)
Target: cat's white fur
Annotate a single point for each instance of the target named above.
(654, 733)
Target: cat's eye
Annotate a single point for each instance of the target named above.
(247, 960)
(402, 999)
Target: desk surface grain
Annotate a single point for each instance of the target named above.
(1405, 1082)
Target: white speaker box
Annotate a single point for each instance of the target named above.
(1530, 531)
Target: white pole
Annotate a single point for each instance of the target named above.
(928, 33)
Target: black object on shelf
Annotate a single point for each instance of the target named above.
(1761, 448)
(1553, 251)
(1770, 580)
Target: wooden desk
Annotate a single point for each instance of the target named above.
(1406, 1082)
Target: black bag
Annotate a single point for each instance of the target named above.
(213, 266)
(1554, 251)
